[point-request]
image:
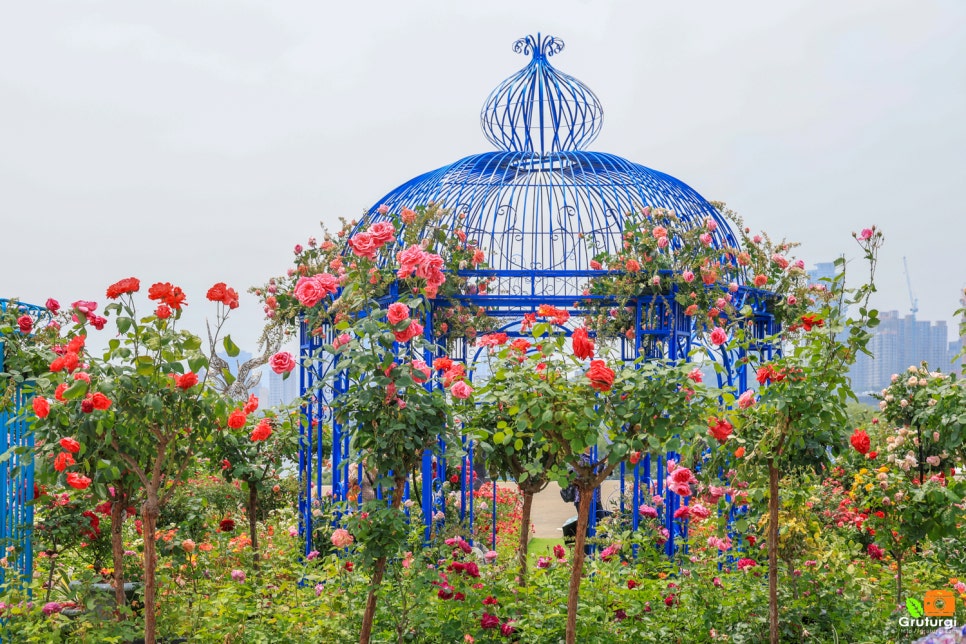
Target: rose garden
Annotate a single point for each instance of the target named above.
(462, 347)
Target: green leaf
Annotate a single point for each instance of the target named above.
(230, 347)
(124, 324)
(229, 379)
(192, 343)
(914, 606)
(76, 390)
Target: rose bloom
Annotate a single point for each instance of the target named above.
(25, 323)
(237, 419)
(126, 285)
(282, 362)
(78, 481)
(461, 390)
(363, 245)
(582, 344)
(186, 381)
(397, 312)
(382, 232)
(718, 336)
(600, 376)
(221, 292)
(720, 429)
(341, 538)
(262, 431)
(70, 445)
(100, 401)
(41, 406)
(746, 399)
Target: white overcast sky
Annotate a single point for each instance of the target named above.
(198, 141)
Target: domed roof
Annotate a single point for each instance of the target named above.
(537, 204)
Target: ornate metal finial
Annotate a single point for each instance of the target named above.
(540, 110)
(539, 46)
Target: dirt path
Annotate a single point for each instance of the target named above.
(550, 511)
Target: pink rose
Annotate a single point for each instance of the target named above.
(865, 234)
(382, 232)
(461, 390)
(282, 362)
(363, 245)
(397, 313)
(688, 276)
(746, 399)
(52, 305)
(341, 538)
(309, 291)
(718, 336)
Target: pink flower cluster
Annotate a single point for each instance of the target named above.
(679, 480)
(309, 291)
(367, 244)
(428, 266)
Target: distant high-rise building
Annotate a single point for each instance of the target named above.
(896, 344)
(822, 270)
(281, 391)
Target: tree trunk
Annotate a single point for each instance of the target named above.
(524, 536)
(898, 581)
(773, 551)
(577, 566)
(149, 517)
(253, 522)
(117, 551)
(380, 568)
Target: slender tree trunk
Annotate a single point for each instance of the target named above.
(524, 536)
(117, 552)
(380, 568)
(773, 551)
(577, 566)
(898, 581)
(253, 522)
(149, 518)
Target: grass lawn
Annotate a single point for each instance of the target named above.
(542, 546)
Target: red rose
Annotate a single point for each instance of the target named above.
(78, 481)
(282, 362)
(87, 405)
(860, 441)
(583, 345)
(63, 461)
(70, 445)
(490, 621)
(173, 296)
(720, 429)
(252, 405)
(41, 406)
(186, 381)
(226, 525)
(26, 323)
(237, 419)
(262, 431)
(442, 364)
(100, 401)
(52, 305)
(223, 293)
(126, 285)
(600, 376)
(397, 313)
(163, 312)
(59, 392)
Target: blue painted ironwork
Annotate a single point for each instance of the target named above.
(541, 207)
(17, 472)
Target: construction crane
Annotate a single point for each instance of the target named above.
(912, 299)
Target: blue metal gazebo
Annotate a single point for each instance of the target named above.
(17, 470)
(541, 206)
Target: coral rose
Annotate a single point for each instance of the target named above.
(341, 538)
(583, 345)
(70, 445)
(363, 245)
(126, 285)
(100, 401)
(78, 481)
(461, 390)
(41, 406)
(600, 376)
(397, 312)
(237, 419)
(186, 381)
(262, 431)
(718, 336)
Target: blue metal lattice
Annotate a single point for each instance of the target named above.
(17, 471)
